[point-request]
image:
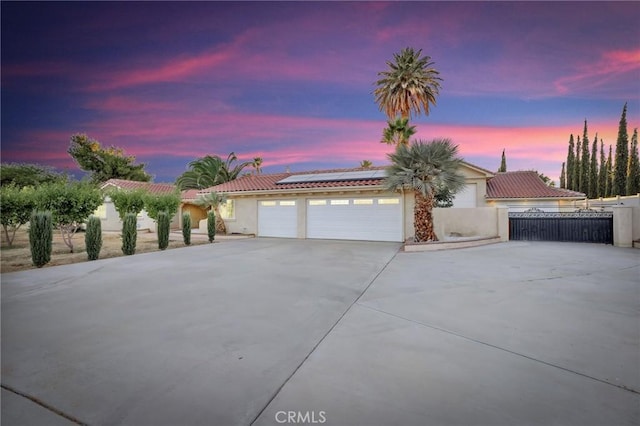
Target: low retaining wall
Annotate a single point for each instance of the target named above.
(476, 222)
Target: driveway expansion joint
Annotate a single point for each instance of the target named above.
(43, 404)
(471, 339)
(275, 394)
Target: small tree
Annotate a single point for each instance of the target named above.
(126, 201)
(213, 200)
(70, 205)
(93, 237)
(16, 207)
(186, 228)
(164, 224)
(28, 175)
(168, 203)
(41, 238)
(129, 233)
(211, 225)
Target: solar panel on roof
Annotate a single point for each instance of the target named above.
(334, 177)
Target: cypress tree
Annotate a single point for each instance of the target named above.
(602, 174)
(608, 190)
(563, 182)
(571, 158)
(633, 166)
(576, 167)
(503, 163)
(622, 157)
(593, 170)
(584, 162)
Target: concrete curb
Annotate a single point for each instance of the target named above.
(449, 245)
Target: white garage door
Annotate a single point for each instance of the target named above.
(372, 219)
(466, 197)
(278, 218)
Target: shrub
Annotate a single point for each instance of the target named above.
(41, 238)
(93, 237)
(168, 203)
(164, 225)
(127, 201)
(16, 207)
(186, 228)
(70, 205)
(129, 233)
(211, 225)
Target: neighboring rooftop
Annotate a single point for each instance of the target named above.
(152, 188)
(525, 184)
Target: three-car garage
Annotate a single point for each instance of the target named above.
(354, 218)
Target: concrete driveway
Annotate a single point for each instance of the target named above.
(269, 332)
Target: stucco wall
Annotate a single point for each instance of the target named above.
(469, 222)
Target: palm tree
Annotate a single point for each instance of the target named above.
(426, 168)
(209, 171)
(212, 201)
(257, 165)
(365, 164)
(410, 84)
(398, 132)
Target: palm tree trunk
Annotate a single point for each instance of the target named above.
(423, 218)
(220, 226)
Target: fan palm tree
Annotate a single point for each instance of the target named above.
(409, 85)
(398, 132)
(425, 168)
(209, 171)
(212, 201)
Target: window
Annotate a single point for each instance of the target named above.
(101, 211)
(288, 203)
(267, 203)
(389, 201)
(339, 202)
(363, 201)
(317, 202)
(227, 210)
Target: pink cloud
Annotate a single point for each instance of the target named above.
(611, 66)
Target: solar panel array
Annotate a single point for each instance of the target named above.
(334, 177)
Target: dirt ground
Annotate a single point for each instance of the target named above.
(18, 256)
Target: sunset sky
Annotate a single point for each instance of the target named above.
(292, 82)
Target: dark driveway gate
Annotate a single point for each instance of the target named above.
(581, 226)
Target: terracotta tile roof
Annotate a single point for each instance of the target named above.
(268, 182)
(525, 184)
(152, 188)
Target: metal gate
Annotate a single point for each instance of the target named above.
(583, 226)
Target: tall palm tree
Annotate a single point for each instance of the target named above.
(210, 170)
(398, 132)
(409, 85)
(212, 201)
(365, 164)
(425, 168)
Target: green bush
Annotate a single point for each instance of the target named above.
(129, 233)
(93, 237)
(211, 225)
(186, 228)
(164, 225)
(41, 238)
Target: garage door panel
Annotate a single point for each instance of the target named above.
(360, 219)
(278, 218)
